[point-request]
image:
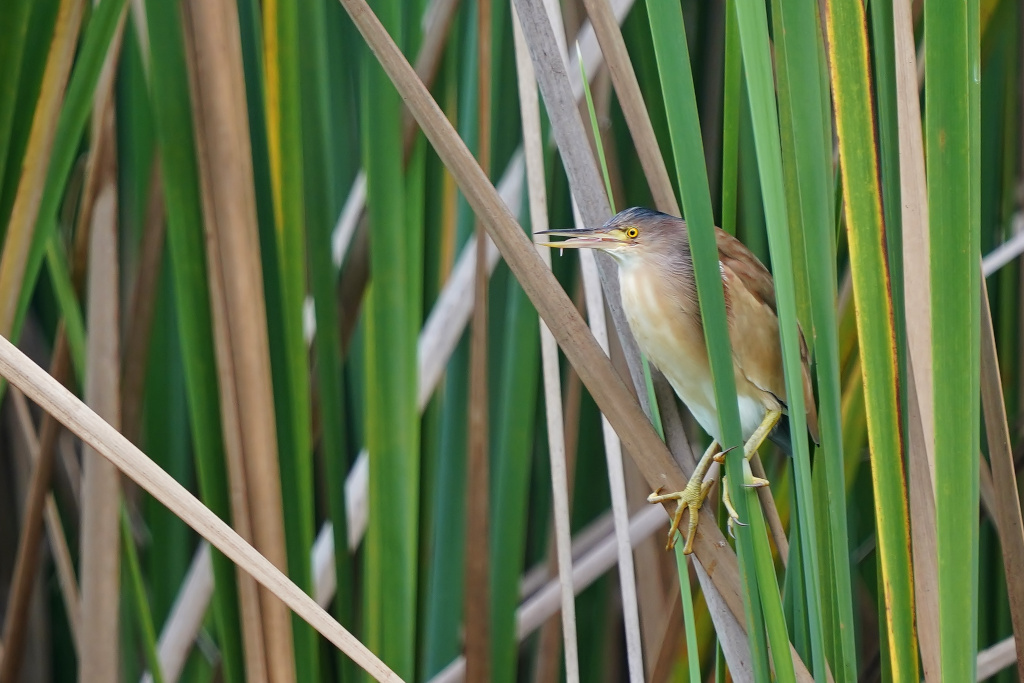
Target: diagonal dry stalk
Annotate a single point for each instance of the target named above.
(594, 368)
(1010, 525)
(437, 341)
(41, 388)
(538, 282)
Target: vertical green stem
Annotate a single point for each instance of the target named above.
(952, 72)
(392, 418)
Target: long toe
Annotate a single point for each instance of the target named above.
(674, 527)
(734, 517)
(658, 497)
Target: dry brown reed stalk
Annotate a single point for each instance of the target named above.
(239, 319)
(1010, 526)
(478, 591)
(917, 303)
(547, 667)
(101, 482)
(594, 368)
(53, 398)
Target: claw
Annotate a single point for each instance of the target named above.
(733, 521)
(720, 458)
(734, 517)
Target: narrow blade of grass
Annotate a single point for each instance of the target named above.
(137, 589)
(631, 99)
(732, 86)
(578, 160)
(284, 133)
(321, 171)
(392, 421)
(952, 69)
(14, 16)
(865, 229)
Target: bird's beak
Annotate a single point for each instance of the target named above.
(581, 238)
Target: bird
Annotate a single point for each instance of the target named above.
(659, 299)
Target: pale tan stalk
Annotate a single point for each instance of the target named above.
(240, 323)
(917, 302)
(101, 482)
(533, 149)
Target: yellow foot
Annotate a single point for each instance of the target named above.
(691, 498)
(734, 517)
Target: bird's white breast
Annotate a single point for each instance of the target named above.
(667, 331)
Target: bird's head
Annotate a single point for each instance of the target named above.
(632, 237)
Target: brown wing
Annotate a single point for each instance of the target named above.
(734, 255)
(758, 281)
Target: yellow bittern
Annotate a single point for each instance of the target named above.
(659, 297)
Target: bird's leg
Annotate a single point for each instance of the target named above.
(771, 418)
(690, 498)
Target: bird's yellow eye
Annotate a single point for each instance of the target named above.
(631, 233)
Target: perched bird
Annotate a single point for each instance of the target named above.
(659, 297)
